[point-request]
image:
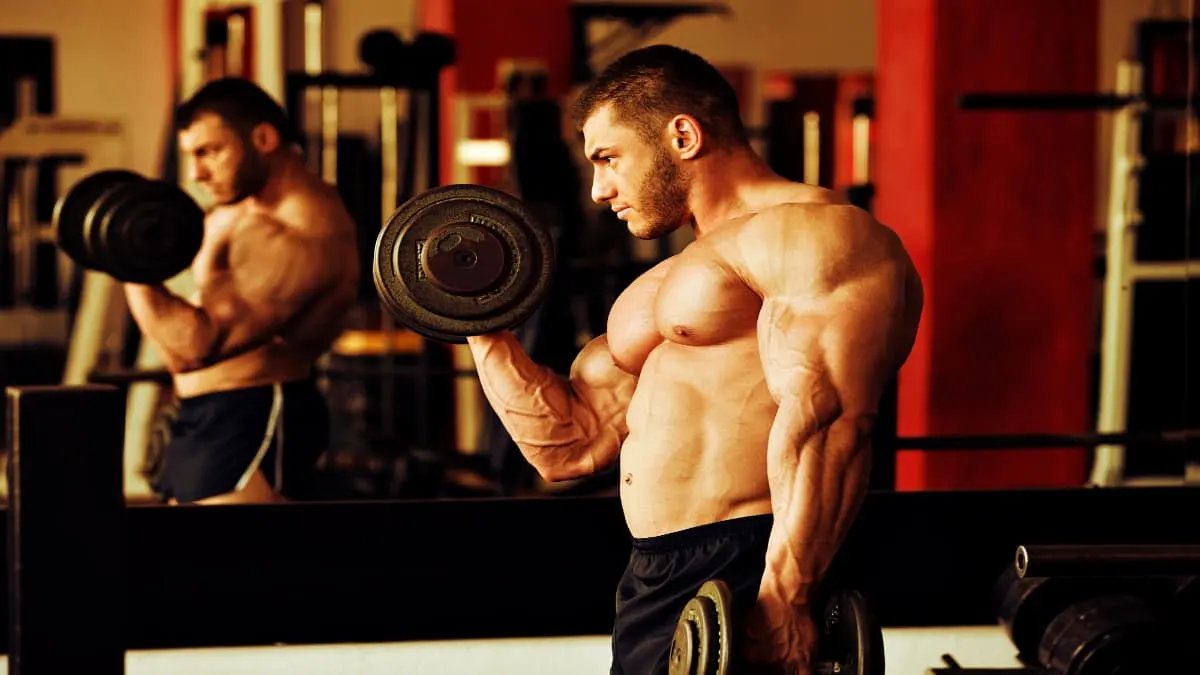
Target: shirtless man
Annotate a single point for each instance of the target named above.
(275, 276)
(738, 381)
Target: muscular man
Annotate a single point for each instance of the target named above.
(738, 381)
(275, 276)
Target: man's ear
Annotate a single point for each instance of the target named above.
(265, 138)
(685, 136)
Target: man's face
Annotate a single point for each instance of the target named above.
(223, 163)
(641, 182)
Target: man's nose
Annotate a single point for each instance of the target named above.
(602, 190)
(199, 173)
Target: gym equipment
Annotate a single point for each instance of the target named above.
(703, 635)
(1111, 560)
(1024, 607)
(1167, 438)
(1040, 613)
(850, 642)
(1111, 634)
(462, 260)
(134, 229)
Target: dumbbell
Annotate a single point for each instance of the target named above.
(850, 642)
(132, 228)
(462, 260)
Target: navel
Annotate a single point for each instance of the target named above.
(629, 479)
(681, 331)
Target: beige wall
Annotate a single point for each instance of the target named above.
(100, 75)
(782, 34)
(346, 22)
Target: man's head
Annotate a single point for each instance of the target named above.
(643, 119)
(231, 129)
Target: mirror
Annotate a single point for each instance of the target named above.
(1041, 330)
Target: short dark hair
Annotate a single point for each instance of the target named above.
(242, 104)
(647, 87)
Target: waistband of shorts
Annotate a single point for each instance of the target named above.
(288, 386)
(744, 526)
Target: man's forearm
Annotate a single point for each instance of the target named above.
(184, 335)
(553, 428)
(818, 478)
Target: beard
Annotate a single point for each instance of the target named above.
(250, 176)
(664, 193)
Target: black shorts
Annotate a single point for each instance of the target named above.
(665, 572)
(219, 440)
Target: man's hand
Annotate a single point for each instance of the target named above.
(779, 639)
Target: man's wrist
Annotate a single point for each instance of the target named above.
(776, 592)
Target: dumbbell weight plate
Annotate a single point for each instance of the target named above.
(1104, 635)
(1025, 607)
(71, 212)
(717, 592)
(145, 232)
(703, 635)
(462, 260)
(852, 641)
(694, 649)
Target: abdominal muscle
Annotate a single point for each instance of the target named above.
(698, 428)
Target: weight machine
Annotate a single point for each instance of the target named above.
(1140, 97)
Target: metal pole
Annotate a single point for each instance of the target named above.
(1062, 560)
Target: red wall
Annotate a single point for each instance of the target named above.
(996, 208)
(488, 32)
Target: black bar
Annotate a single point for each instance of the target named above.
(368, 81)
(1040, 441)
(66, 510)
(129, 376)
(1061, 560)
(990, 671)
(1060, 101)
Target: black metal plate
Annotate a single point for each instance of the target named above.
(146, 232)
(851, 637)
(435, 312)
(1104, 635)
(71, 212)
(1025, 607)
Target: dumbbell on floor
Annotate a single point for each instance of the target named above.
(850, 641)
(132, 228)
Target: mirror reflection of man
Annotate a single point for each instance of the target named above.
(275, 278)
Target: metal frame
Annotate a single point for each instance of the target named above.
(1123, 273)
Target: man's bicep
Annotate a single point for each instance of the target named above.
(599, 381)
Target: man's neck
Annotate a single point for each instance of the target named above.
(283, 173)
(723, 188)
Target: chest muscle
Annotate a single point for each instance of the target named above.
(687, 300)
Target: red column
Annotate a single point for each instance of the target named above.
(996, 208)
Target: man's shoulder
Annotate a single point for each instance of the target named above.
(302, 214)
(811, 218)
(808, 245)
(811, 229)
